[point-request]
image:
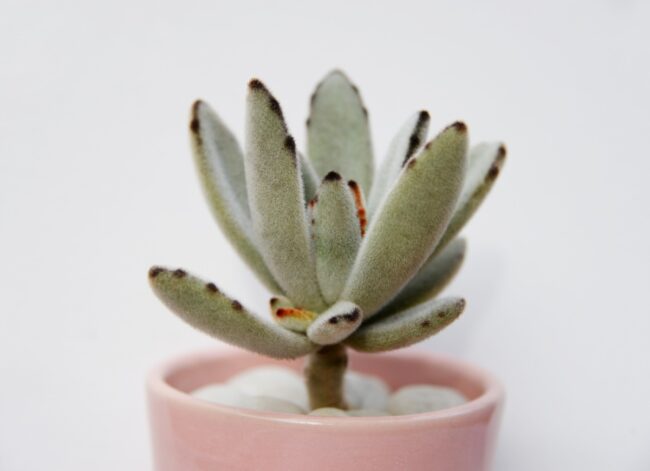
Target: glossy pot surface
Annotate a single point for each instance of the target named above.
(192, 435)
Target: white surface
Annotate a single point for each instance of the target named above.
(96, 184)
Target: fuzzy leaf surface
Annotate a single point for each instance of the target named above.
(290, 317)
(338, 136)
(484, 165)
(220, 164)
(335, 324)
(309, 177)
(337, 235)
(407, 327)
(432, 278)
(276, 199)
(404, 145)
(410, 221)
(204, 307)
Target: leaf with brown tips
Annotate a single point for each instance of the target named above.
(217, 315)
(432, 278)
(485, 161)
(220, 164)
(409, 223)
(335, 230)
(338, 136)
(277, 203)
(403, 146)
(404, 328)
(335, 324)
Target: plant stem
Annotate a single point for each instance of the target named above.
(324, 374)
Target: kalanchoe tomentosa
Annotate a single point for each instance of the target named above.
(344, 273)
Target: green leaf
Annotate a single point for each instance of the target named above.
(309, 177)
(276, 199)
(403, 146)
(220, 165)
(336, 233)
(204, 307)
(432, 278)
(484, 165)
(410, 221)
(289, 316)
(406, 327)
(335, 324)
(338, 136)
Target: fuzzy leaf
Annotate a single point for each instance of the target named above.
(204, 307)
(409, 222)
(432, 278)
(403, 146)
(406, 327)
(290, 317)
(484, 165)
(336, 233)
(220, 165)
(360, 205)
(276, 199)
(309, 177)
(338, 136)
(335, 324)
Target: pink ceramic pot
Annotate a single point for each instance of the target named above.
(190, 434)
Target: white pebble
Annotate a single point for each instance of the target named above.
(418, 398)
(273, 404)
(227, 395)
(329, 412)
(365, 392)
(367, 413)
(223, 394)
(272, 381)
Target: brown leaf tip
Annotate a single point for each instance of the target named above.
(256, 84)
(236, 305)
(493, 173)
(358, 203)
(352, 316)
(414, 143)
(349, 317)
(332, 177)
(155, 271)
(290, 144)
(179, 273)
(459, 126)
(212, 287)
(275, 107)
(194, 123)
(423, 117)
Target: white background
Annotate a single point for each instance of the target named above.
(97, 184)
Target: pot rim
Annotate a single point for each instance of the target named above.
(492, 396)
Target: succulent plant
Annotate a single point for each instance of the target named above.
(343, 272)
